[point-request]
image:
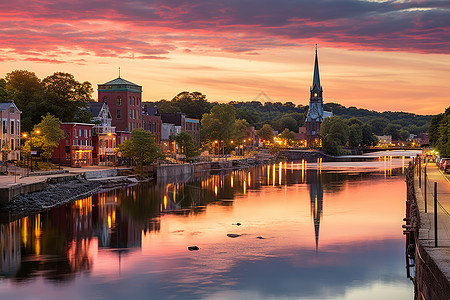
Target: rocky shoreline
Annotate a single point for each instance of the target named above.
(51, 196)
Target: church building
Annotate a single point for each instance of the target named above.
(316, 114)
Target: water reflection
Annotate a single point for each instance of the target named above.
(137, 236)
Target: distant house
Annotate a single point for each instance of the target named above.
(384, 140)
(189, 125)
(9, 131)
(76, 148)
(151, 121)
(103, 134)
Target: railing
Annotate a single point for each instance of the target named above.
(427, 185)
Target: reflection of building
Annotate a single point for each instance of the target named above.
(316, 196)
(9, 131)
(9, 249)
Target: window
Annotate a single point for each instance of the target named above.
(134, 101)
(12, 144)
(119, 100)
(85, 133)
(118, 114)
(75, 132)
(105, 100)
(5, 126)
(89, 133)
(130, 100)
(11, 110)
(131, 114)
(18, 128)
(12, 127)
(79, 133)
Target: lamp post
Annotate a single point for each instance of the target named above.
(31, 149)
(216, 142)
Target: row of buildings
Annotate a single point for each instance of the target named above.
(118, 111)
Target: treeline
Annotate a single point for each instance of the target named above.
(439, 133)
(66, 98)
(290, 116)
(58, 94)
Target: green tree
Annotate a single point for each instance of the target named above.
(219, 124)
(166, 107)
(141, 147)
(368, 139)
(194, 105)
(334, 133)
(285, 123)
(26, 89)
(378, 125)
(393, 130)
(444, 136)
(266, 133)
(3, 92)
(433, 131)
(354, 135)
(287, 136)
(253, 117)
(187, 145)
(66, 96)
(46, 137)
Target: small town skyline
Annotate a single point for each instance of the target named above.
(375, 55)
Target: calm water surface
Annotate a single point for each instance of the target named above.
(308, 231)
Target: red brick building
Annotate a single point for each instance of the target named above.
(153, 124)
(124, 100)
(76, 148)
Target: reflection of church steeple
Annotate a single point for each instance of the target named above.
(316, 196)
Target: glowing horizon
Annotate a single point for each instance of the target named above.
(383, 56)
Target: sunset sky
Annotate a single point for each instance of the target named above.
(391, 55)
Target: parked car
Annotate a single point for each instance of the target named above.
(446, 166)
(443, 161)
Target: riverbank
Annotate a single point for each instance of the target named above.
(432, 263)
(51, 196)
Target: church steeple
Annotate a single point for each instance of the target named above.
(316, 87)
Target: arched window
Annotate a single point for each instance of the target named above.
(130, 100)
(119, 100)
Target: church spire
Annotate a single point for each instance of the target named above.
(316, 78)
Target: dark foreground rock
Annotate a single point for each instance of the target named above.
(51, 196)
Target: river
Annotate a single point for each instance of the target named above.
(302, 231)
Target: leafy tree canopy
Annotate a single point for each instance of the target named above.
(186, 144)
(141, 147)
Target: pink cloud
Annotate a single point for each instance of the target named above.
(153, 29)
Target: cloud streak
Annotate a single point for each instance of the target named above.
(153, 29)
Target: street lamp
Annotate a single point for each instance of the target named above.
(31, 148)
(217, 147)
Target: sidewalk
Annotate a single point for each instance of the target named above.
(11, 180)
(443, 197)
